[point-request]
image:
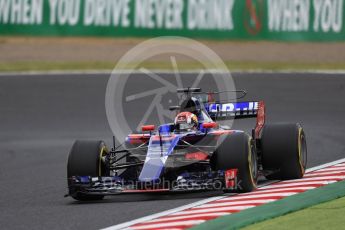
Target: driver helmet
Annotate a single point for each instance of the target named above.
(186, 121)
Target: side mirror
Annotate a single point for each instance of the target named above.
(146, 128)
(209, 125)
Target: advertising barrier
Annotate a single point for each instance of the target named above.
(284, 20)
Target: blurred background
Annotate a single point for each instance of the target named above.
(246, 34)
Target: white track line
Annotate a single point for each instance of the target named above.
(317, 174)
(249, 196)
(247, 202)
(299, 184)
(335, 177)
(331, 169)
(177, 223)
(221, 209)
(162, 71)
(110, 72)
(283, 189)
(175, 210)
(324, 172)
(168, 218)
(326, 165)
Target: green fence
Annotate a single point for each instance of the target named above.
(287, 20)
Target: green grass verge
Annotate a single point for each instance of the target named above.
(329, 215)
(277, 208)
(66, 66)
(47, 66)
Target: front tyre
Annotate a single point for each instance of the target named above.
(284, 151)
(237, 151)
(85, 159)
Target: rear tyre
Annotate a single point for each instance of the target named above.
(237, 151)
(85, 160)
(284, 150)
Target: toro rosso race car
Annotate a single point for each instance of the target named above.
(193, 153)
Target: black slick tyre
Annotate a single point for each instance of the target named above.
(284, 151)
(237, 151)
(85, 160)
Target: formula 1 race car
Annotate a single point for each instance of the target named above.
(194, 153)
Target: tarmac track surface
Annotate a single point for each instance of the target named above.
(41, 116)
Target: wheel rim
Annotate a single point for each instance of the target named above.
(252, 163)
(303, 151)
(104, 151)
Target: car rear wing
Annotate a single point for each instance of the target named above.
(237, 110)
(233, 110)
